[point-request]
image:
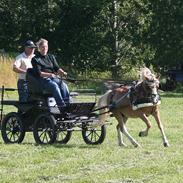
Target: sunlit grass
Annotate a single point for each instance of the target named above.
(8, 78)
(77, 162)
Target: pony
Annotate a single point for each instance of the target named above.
(123, 103)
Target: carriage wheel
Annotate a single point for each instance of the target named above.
(63, 136)
(12, 128)
(44, 129)
(94, 136)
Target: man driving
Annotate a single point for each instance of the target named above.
(46, 66)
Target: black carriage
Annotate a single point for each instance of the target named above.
(48, 124)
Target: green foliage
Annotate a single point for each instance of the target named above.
(92, 35)
(179, 88)
(166, 32)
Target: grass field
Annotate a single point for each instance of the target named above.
(77, 162)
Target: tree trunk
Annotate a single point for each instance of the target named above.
(115, 40)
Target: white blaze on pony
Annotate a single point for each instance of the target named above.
(121, 103)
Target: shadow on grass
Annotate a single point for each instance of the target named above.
(57, 145)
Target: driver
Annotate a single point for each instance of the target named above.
(46, 66)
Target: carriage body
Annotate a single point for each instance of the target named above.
(41, 116)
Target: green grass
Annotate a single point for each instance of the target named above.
(77, 162)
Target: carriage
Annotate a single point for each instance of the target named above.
(41, 116)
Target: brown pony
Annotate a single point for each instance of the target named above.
(123, 104)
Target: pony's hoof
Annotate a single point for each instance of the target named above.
(142, 134)
(122, 145)
(137, 145)
(166, 144)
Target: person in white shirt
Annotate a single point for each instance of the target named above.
(20, 66)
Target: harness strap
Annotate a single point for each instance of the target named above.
(113, 104)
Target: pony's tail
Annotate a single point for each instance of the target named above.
(103, 101)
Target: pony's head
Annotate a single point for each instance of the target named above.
(150, 84)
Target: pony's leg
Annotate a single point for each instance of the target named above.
(157, 118)
(144, 118)
(120, 136)
(132, 140)
(121, 121)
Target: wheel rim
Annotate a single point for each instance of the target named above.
(45, 131)
(13, 129)
(63, 136)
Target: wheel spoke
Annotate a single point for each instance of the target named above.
(97, 134)
(17, 134)
(91, 136)
(42, 133)
(14, 137)
(8, 133)
(46, 137)
(61, 135)
(50, 134)
(46, 134)
(11, 136)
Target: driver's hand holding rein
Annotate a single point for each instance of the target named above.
(60, 73)
(47, 69)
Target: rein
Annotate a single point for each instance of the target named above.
(121, 98)
(113, 104)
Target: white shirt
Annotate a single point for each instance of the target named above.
(24, 62)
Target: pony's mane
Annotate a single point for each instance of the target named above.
(145, 73)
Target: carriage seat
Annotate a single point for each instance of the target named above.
(35, 89)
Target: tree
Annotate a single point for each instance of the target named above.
(9, 24)
(92, 35)
(166, 32)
